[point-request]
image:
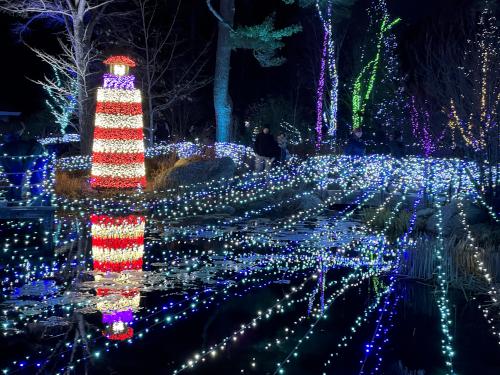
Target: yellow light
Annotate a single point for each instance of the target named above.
(119, 69)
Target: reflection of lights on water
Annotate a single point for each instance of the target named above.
(117, 242)
(118, 248)
(191, 269)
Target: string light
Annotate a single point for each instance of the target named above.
(442, 297)
(364, 84)
(62, 98)
(327, 62)
(472, 114)
(227, 257)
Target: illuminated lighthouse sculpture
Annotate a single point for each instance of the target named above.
(118, 149)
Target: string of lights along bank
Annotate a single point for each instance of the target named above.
(118, 149)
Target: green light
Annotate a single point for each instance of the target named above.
(358, 99)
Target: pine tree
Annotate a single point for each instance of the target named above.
(263, 39)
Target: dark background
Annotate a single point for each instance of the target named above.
(249, 81)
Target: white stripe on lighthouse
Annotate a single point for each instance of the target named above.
(118, 170)
(121, 96)
(103, 120)
(116, 146)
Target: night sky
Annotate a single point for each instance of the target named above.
(18, 65)
(249, 81)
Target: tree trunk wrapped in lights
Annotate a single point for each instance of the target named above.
(118, 150)
(118, 246)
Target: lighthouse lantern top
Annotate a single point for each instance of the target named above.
(119, 65)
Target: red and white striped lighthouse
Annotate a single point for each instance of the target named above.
(118, 149)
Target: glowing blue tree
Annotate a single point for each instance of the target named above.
(62, 101)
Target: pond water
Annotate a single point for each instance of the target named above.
(212, 295)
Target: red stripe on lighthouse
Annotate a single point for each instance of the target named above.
(118, 182)
(117, 108)
(118, 133)
(117, 243)
(119, 158)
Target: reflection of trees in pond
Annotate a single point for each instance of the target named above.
(416, 340)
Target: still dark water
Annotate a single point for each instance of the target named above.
(179, 300)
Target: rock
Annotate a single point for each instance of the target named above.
(488, 234)
(452, 223)
(323, 194)
(307, 202)
(302, 203)
(423, 216)
(226, 210)
(293, 205)
(186, 172)
(425, 212)
(475, 214)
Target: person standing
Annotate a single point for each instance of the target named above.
(265, 150)
(355, 146)
(396, 145)
(284, 155)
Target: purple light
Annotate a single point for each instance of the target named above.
(423, 127)
(321, 89)
(112, 81)
(118, 316)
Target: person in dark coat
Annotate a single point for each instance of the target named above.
(355, 146)
(396, 145)
(265, 148)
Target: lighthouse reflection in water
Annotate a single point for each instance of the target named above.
(117, 251)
